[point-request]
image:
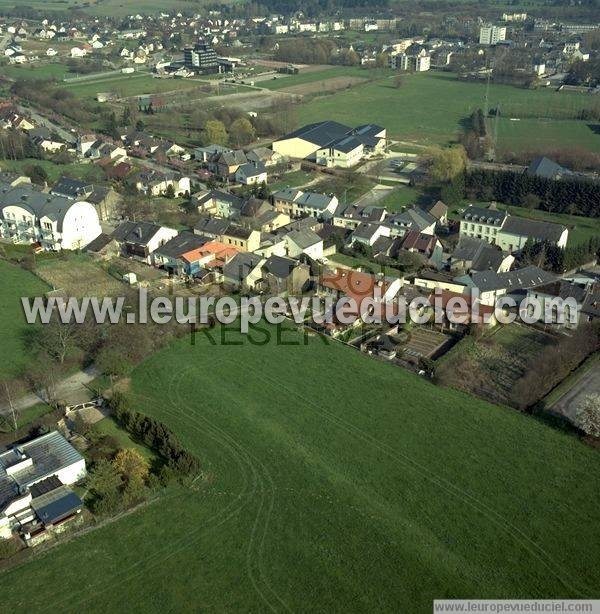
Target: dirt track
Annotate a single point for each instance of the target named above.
(324, 85)
(588, 384)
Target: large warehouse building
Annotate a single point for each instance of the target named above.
(330, 143)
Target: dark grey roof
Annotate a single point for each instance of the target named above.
(139, 233)
(180, 244)
(279, 266)
(212, 226)
(38, 203)
(366, 134)
(414, 218)
(546, 168)
(99, 243)
(536, 229)
(49, 454)
(563, 289)
(238, 232)
(56, 505)
(240, 266)
(347, 144)
(484, 215)
(304, 238)
(365, 230)
(320, 133)
(314, 200)
(521, 279)
(71, 188)
(287, 194)
(220, 196)
(479, 253)
(251, 169)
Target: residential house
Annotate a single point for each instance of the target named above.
(431, 280)
(368, 234)
(243, 269)
(281, 274)
(509, 232)
(351, 216)
(569, 314)
(478, 255)
(243, 238)
(212, 227)
(251, 173)
(224, 165)
(372, 294)
(491, 286)
(34, 485)
(211, 256)
(219, 203)
(170, 255)
(415, 219)
(425, 245)
(296, 203)
(104, 198)
(29, 215)
(460, 311)
(158, 183)
(264, 155)
(140, 239)
(305, 241)
(547, 169)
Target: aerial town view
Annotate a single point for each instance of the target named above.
(299, 306)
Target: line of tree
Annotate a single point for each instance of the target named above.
(554, 364)
(549, 256)
(304, 51)
(156, 436)
(572, 196)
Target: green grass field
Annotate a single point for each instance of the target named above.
(136, 84)
(333, 483)
(301, 78)
(75, 170)
(16, 282)
(45, 71)
(429, 108)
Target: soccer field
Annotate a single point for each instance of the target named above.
(334, 483)
(430, 108)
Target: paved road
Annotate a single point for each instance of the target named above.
(72, 390)
(66, 135)
(374, 195)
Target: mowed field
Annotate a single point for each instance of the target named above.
(431, 108)
(16, 282)
(136, 84)
(332, 483)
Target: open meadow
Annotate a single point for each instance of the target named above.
(136, 84)
(332, 482)
(16, 282)
(430, 108)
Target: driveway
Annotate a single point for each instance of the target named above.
(72, 389)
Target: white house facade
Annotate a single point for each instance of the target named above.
(28, 215)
